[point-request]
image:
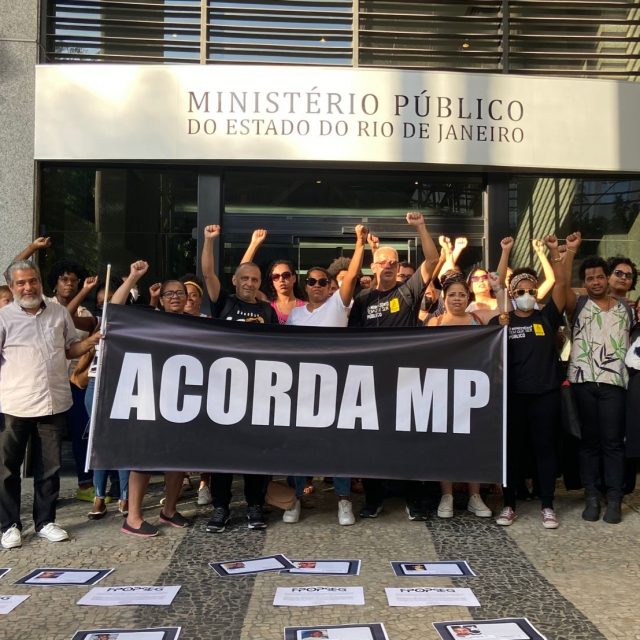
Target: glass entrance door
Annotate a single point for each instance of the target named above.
(310, 216)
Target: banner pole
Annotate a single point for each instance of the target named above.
(94, 401)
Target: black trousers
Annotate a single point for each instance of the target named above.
(46, 441)
(532, 420)
(602, 415)
(255, 487)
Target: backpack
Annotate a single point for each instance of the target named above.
(582, 300)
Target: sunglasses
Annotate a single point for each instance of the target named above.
(387, 263)
(520, 292)
(312, 282)
(619, 273)
(285, 275)
(173, 294)
(479, 278)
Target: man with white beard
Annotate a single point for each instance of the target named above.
(36, 340)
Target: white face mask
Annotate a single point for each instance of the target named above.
(526, 302)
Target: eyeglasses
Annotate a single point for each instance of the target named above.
(285, 275)
(173, 294)
(520, 292)
(387, 263)
(479, 278)
(619, 273)
(312, 282)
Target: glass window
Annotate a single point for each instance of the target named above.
(292, 32)
(97, 216)
(605, 211)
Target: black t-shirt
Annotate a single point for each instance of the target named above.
(230, 307)
(532, 354)
(397, 307)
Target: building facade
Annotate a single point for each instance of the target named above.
(126, 127)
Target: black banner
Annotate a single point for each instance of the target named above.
(192, 394)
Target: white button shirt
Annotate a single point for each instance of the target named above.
(34, 376)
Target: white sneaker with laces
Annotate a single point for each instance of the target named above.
(445, 508)
(12, 537)
(53, 533)
(549, 519)
(345, 513)
(478, 507)
(291, 516)
(204, 495)
(506, 517)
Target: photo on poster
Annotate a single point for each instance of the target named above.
(9, 603)
(440, 568)
(4, 571)
(373, 631)
(156, 633)
(325, 567)
(498, 629)
(277, 562)
(51, 576)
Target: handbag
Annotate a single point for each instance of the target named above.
(280, 495)
(570, 417)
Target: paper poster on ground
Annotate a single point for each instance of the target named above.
(364, 631)
(50, 577)
(425, 568)
(498, 629)
(326, 567)
(277, 562)
(318, 596)
(155, 633)
(430, 597)
(9, 603)
(130, 595)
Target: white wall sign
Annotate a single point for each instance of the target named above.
(264, 113)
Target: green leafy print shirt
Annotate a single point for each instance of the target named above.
(600, 343)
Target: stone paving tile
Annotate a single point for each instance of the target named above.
(508, 584)
(51, 613)
(594, 565)
(208, 606)
(376, 542)
(577, 582)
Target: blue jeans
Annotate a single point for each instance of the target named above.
(342, 486)
(77, 420)
(100, 475)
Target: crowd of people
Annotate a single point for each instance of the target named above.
(49, 353)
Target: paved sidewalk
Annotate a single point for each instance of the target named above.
(577, 582)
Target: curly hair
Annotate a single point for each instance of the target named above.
(65, 266)
(614, 261)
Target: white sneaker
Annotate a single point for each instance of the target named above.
(445, 508)
(204, 495)
(292, 516)
(549, 519)
(53, 533)
(12, 537)
(478, 507)
(345, 513)
(506, 517)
